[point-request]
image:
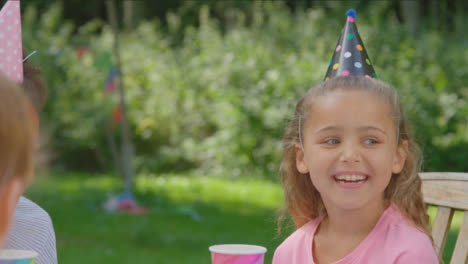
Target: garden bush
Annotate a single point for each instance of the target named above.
(218, 98)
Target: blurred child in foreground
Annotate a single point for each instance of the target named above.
(29, 218)
(17, 140)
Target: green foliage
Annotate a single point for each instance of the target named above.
(217, 99)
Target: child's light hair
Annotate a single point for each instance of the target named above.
(302, 199)
(16, 133)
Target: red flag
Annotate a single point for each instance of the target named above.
(117, 115)
(81, 51)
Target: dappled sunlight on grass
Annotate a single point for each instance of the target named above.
(238, 194)
(188, 214)
(228, 194)
(77, 182)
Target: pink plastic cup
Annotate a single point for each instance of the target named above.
(237, 254)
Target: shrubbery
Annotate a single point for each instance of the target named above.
(218, 100)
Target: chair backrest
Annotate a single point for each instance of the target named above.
(449, 192)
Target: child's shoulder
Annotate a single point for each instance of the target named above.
(399, 226)
(411, 243)
(293, 246)
(304, 232)
(395, 240)
(414, 245)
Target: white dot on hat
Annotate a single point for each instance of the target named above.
(9, 43)
(8, 28)
(8, 58)
(347, 54)
(1, 35)
(2, 50)
(1, 20)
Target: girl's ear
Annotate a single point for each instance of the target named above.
(9, 195)
(301, 163)
(400, 157)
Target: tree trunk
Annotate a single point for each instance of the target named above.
(133, 13)
(460, 19)
(113, 147)
(127, 149)
(410, 11)
(128, 14)
(434, 13)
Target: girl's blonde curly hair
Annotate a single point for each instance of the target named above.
(303, 201)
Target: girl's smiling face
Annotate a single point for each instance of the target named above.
(350, 148)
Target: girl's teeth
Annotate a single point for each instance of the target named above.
(351, 178)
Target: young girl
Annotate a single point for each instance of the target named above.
(350, 178)
(17, 141)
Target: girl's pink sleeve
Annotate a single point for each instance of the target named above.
(277, 259)
(422, 252)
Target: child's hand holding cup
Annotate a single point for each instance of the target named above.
(13, 256)
(237, 254)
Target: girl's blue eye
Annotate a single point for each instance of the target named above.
(332, 141)
(370, 141)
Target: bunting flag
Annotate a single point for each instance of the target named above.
(117, 114)
(11, 48)
(110, 83)
(81, 51)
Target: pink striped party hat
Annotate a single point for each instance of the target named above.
(11, 51)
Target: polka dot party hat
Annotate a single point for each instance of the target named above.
(11, 51)
(350, 57)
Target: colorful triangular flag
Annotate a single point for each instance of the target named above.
(110, 83)
(11, 50)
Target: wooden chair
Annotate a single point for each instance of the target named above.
(449, 192)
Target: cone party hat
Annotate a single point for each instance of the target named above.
(350, 57)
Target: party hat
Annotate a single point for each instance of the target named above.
(11, 51)
(350, 57)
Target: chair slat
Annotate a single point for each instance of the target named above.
(460, 253)
(446, 176)
(441, 227)
(449, 193)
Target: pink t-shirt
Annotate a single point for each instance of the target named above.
(393, 240)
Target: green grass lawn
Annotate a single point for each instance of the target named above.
(188, 214)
